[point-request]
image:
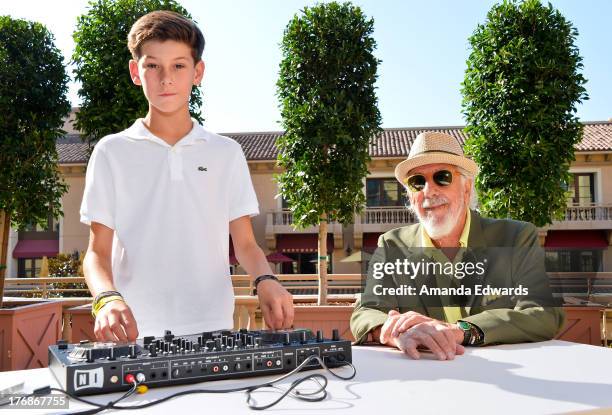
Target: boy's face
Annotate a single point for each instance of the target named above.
(167, 73)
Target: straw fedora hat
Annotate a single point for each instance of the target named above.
(433, 148)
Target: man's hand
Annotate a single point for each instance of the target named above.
(398, 323)
(442, 339)
(115, 322)
(276, 304)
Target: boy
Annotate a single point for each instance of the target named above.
(162, 198)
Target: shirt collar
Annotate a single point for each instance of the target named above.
(426, 241)
(138, 131)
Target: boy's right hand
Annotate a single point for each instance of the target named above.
(115, 322)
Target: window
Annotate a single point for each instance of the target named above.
(51, 226)
(305, 263)
(28, 267)
(581, 189)
(574, 260)
(385, 192)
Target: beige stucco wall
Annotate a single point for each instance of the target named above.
(602, 167)
(73, 234)
(266, 189)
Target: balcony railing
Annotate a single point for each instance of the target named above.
(387, 215)
(284, 217)
(588, 213)
(403, 216)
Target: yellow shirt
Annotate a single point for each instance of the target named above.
(455, 313)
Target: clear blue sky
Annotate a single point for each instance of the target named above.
(423, 47)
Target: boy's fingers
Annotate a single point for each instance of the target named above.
(288, 312)
(129, 324)
(276, 311)
(106, 333)
(114, 324)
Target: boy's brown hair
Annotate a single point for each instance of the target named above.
(165, 25)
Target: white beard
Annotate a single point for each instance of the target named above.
(437, 229)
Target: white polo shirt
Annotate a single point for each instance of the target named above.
(170, 208)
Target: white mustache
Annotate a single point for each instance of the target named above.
(435, 201)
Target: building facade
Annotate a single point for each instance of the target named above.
(578, 243)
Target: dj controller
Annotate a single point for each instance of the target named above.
(93, 368)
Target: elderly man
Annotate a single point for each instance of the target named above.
(439, 180)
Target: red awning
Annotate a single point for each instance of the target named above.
(36, 248)
(278, 258)
(370, 239)
(301, 242)
(586, 239)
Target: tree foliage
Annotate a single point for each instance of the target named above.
(33, 87)
(110, 101)
(520, 92)
(329, 111)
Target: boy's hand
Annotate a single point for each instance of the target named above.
(115, 322)
(276, 304)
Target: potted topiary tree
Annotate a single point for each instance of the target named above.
(33, 85)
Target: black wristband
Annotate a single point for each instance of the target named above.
(261, 278)
(105, 294)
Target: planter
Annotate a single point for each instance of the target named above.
(79, 323)
(26, 332)
(325, 318)
(582, 324)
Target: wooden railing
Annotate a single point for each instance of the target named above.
(43, 286)
(305, 286)
(582, 283)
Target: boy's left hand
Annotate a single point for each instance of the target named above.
(276, 304)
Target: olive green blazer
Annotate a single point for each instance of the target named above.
(535, 317)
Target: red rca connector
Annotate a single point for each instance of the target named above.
(129, 378)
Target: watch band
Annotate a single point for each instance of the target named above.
(261, 278)
(472, 334)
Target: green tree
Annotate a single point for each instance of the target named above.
(110, 101)
(330, 114)
(33, 86)
(520, 92)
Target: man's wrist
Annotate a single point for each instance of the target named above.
(374, 335)
(472, 334)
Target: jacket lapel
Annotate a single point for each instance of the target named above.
(476, 247)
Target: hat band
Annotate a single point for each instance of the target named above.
(440, 151)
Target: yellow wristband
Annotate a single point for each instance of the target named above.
(95, 308)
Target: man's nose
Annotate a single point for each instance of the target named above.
(429, 189)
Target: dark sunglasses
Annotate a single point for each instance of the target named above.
(416, 182)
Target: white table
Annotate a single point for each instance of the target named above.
(535, 378)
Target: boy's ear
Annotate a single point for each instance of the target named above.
(133, 65)
(199, 73)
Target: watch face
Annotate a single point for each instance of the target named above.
(463, 325)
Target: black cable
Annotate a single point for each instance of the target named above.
(99, 407)
(316, 396)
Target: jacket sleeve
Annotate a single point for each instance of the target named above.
(536, 316)
(371, 310)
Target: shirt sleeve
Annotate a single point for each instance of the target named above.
(243, 200)
(98, 204)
